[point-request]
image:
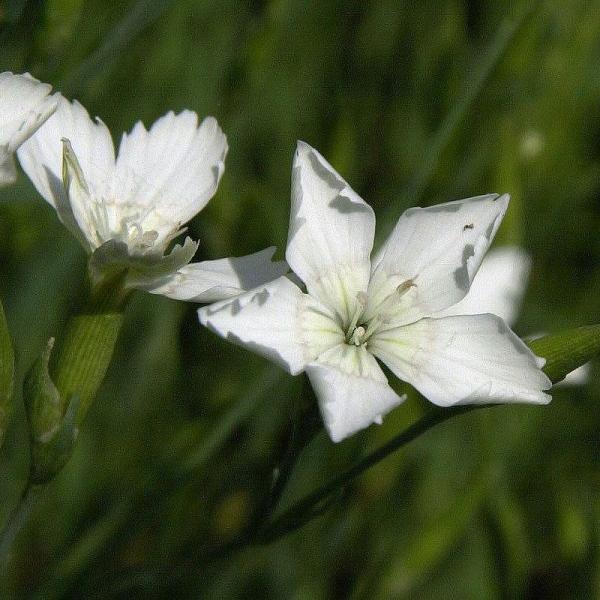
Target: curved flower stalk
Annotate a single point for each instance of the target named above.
(357, 309)
(499, 288)
(126, 210)
(25, 103)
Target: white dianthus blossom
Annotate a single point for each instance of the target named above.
(127, 209)
(499, 288)
(25, 103)
(499, 285)
(357, 310)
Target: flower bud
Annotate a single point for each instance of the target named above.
(52, 428)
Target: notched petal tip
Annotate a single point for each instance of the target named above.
(215, 280)
(203, 315)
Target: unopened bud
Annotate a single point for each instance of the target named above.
(52, 429)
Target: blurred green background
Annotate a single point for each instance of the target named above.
(414, 103)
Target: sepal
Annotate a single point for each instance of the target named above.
(113, 258)
(52, 421)
(566, 351)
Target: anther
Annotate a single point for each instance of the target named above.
(361, 301)
(405, 286)
(357, 336)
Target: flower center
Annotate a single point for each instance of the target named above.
(360, 328)
(138, 240)
(358, 336)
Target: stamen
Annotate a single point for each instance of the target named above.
(361, 301)
(405, 286)
(358, 336)
(374, 323)
(387, 304)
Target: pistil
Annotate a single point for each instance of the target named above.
(358, 336)
(358, 311)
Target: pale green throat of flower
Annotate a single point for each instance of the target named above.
(368, 320)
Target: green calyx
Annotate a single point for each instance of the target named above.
(567, 350)
(52, 428)
(57, 403)
(112, 260)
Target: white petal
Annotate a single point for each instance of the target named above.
(214, 280)
(8, 169)
(277, 321)
(437, 250)
(42, 156)
(170, 172)
(463, 359)
(331, 233)
(42, 159)
(498, 287)
(579, 376)
(352, 390)
(24, 106)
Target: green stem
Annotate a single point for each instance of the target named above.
(316, 503)
(17, 519)
(303, 511)
(184, 457)
(306, 423)
(82, 363)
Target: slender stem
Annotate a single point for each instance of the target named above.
(303, 511)
(316, 503)
(306, 423)
(82, 363)
(184, 457)
(17, 519)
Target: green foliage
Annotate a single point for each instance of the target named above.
(7, 373)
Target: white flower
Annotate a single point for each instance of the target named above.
(25, 104)
(580, 376)
(126, 211)
(357, 310)
(499, 287)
